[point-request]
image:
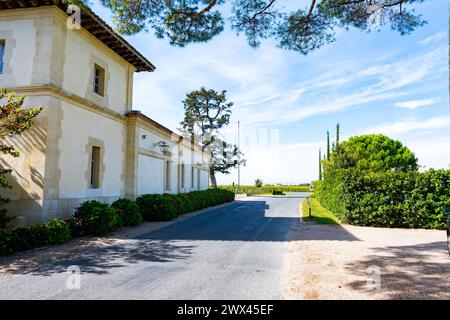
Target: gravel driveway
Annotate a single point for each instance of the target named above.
(346, 262)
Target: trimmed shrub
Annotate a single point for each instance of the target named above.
(30, 238)
(76, 227)
(35, 236)
(388, 199)
(155, 207)
(128, 212)
(5, 242)
(99, 218)
(165, 207)
(59, 233)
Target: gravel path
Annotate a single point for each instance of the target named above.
(342, 262)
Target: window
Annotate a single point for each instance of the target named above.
(2, 53)
(198, 178)
(99, 80)
(167, 176)
(95, 168)
(192, 177)
(182, 175)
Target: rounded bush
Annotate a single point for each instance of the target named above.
(128, 212)
(99, 218)
(59, 232)
(5, 242)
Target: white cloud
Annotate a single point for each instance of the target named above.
(414, 104)
(405, 126)
(435, 38)
(338, 91)
(433, 152)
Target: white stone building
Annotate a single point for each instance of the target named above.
(88, 142)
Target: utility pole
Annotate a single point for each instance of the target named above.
(239, 147)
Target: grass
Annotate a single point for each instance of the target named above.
(318, 213)
(252, 190)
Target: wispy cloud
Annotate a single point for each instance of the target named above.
(414, 104)
(438, 37)
(405, 126)
(339, 91)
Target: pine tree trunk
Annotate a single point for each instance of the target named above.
(212, 176)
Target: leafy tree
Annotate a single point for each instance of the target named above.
(14, 120)
(205, 112)
(302, 30)
(373, 152)
(258, 183)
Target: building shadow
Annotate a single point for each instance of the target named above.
(407, 272)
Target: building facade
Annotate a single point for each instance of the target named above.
(88, 142)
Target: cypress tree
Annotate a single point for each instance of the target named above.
(328, 145)
(320, 164)
(337, 135)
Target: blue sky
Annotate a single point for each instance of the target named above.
(377, 82)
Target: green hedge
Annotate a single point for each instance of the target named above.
(36, 236)
(252, 190)
(155, 207)
(96, 218)
(387, 199)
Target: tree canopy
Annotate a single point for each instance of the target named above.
(303, 30)
(14, 120)
(205, 112)
(374, 152)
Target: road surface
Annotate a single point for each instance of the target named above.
(235, 251)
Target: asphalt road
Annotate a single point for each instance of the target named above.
(232, 252)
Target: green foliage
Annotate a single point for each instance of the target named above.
(205, 112)
(318, 213)
(35, 236)
(258, 183)
(98, 218)
(299, 29)
(5, 242)
(373, 152)
(320, 164)
(128, 212)
(155, 207)
(14, 120)
(276, 192)
(29, 238)
(387, 199)
(252, 190)
(59, 232)
(77, 227)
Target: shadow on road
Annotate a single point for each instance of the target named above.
(246, 221)
(101, 260)
(408, 272)
(254, 221)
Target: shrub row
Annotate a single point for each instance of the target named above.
(39, 235)
(98, 219)
(387, 199)
(155, 207)
(252, 190)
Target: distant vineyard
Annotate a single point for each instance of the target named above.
(251, 190)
